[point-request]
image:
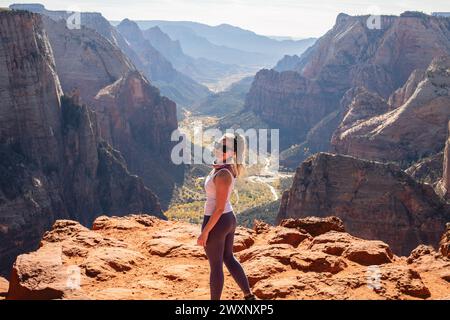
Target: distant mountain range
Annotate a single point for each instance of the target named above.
(226, 43)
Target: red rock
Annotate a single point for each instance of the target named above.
(368, 253)
(374, 200)
(281, 252)
(420, 251)
(314, 225)
(275, 288)
(105, 263)
(4, 285)
(408, 281)
(161, 247)
(39, 275)
(124, 223)
(445, 183)
(416, 129)
(260, 226)
(287, 235)
(303, 100)
(179, 272)
(63, 163)
(188, 251)
(314, 261)
(262, 268)
(136, 120)
(76, 263)
(364, 252)
(332, 242)
(444, 245)
(243, 239)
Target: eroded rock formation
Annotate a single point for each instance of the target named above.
(135, 119)
(375, 200)
(350, 55)
(53, 162)
(416, 129)
(143, 257)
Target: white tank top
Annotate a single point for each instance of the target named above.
(210, 188)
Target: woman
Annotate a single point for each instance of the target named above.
(219, 222)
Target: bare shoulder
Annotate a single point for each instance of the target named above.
(223, 177)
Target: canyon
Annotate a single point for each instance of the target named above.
(54, 162)
(304, 101)
(86, 178)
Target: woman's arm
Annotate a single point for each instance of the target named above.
(222, 181)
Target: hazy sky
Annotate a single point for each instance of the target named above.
(269, 17)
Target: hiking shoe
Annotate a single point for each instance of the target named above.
(250, 296)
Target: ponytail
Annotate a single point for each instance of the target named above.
(239, 148)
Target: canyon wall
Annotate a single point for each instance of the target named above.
(375, 200)
(54, 163)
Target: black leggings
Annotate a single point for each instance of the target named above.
(219, 249)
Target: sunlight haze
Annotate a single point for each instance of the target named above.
(297, 19)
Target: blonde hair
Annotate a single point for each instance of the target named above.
(239, 156)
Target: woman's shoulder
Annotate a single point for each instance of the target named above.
(225, 173)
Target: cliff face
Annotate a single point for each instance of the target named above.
(53, 164)
(30, 108)
(446, 173)
(308, 258)
(285, 100)
(418, 128)
(375, 201)
(178, 87)
(380, 59)
(443, 186)
(350, 55)
(158, 69)
(133, 117)
(138, 121)
(84, 59)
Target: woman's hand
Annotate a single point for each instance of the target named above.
(201, 241)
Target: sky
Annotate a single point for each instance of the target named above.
(293, 18)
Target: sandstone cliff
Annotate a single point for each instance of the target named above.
(53, 162)
(349, 55)
(375, 200)
(416, 129)
(428, 170)
(290, 102)
(173, 84)
(84, 59)
(158, 69)
(443, 185)
(143, 257)
(135, 119)
(137, 122)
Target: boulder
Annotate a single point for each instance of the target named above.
(280, 252)
(105, 263)
(444, 245)
(287, 235)
(314, 261)
(4, 286)
(262, 267)
(315, 226)
(364, 252)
